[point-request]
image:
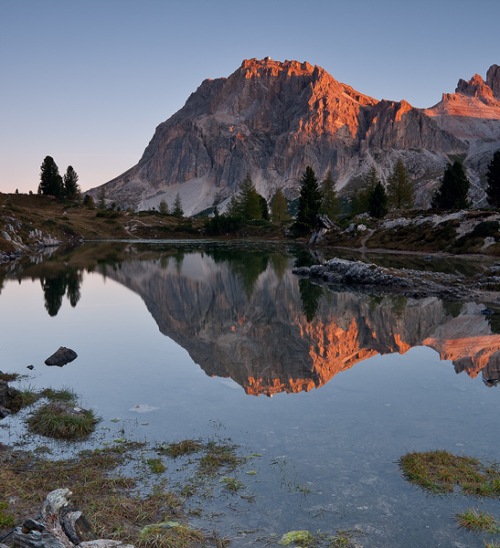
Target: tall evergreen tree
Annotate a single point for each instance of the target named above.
(378, 201)
(251, 207)
(177, 210)
(452, 194)
(493, 177)
(360, 200)
(330, 204)
(51, 183)
(400, 191)
(279, 207)
(309, 200)
(71, 188)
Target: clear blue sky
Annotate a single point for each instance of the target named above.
(87, 82)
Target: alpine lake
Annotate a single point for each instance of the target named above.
(321, 391)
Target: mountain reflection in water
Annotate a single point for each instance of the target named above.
(255, 322)
(244, 315)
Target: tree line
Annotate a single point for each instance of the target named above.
(52, 184)
(315, 198)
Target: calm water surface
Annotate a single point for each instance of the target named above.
(330, 388)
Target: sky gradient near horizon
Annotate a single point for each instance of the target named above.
(88, 82)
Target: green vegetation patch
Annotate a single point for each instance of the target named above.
(61, 421)
(441, 472)
(476, 521)
(181, 448)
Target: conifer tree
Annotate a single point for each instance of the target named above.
(493, 177)
(251, 207)
(360, 199)
(309, 200)
(163, 208)
(400, 191)
(378, 202)
(51, 183)
(452, 194)
(71, 188)
(279, 208)
(177, 210)
(330, 204)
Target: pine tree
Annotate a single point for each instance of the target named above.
(234, 207)
(279, 208)
(330, 204)
(51, 183)
(71, 188)
(452, 194)
(400, 191)
(177, 210)
(493, 177)
(360, 199)
(89, 202)
(309, 200)
(163, 208)
(378, 202)
(250, 201)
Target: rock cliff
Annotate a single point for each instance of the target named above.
(271, 119)
(258, 334)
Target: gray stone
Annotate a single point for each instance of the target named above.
(61, 357)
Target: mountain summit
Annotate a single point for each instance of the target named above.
(271, 119)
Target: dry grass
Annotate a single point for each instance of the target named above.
(108, 499)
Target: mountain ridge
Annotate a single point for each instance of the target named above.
(271, 119)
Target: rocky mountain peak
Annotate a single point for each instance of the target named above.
(493, 80)
(475, 87)
(271, 119)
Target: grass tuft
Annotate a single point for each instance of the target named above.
(441, 472)
(181, 448)
(217, 456)
(65, 395)
(477, 521)
(159, 536)
(56, 420)
(232, 484)
(156, 466)
(7, 377)
(24, 398)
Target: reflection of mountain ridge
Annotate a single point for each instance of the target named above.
(262, 340)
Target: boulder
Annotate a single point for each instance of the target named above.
(61, 357)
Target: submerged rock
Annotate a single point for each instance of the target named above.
(61, 357)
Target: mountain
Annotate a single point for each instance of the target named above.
(271, 119)
(245, 319)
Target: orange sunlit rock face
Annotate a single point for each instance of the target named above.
(255, 331)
